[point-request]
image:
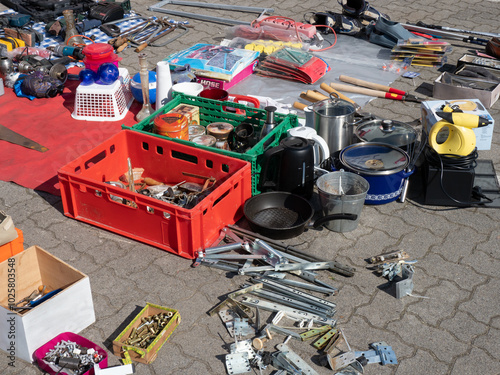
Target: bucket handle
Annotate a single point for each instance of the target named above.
(327, 218)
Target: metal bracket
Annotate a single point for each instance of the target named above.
(237, 363)
(158, 8)
(288, 360)
(382, 353)
(405, 286)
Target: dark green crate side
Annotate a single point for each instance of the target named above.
(211, 111)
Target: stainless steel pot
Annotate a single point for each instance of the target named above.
(334, 122)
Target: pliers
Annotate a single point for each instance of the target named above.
(374, 89)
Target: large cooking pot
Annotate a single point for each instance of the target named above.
(334, 122)
(280, 215)
(392, 132)
(382, 165)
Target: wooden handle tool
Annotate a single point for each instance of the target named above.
(317, 96)
(331, 90)
(141, 47)
(363, 91)
(371, 85)
(299, 105)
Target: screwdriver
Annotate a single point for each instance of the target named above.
(467, 120)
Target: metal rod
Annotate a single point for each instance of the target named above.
(158, 8)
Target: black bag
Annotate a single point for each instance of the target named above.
(41, 85)
(107, 12)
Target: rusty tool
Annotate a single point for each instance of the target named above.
(11, 136)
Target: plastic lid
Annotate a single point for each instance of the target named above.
(374, 158)
(392, 132)
(170, 122)
(97, 50)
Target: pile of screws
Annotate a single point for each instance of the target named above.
(145, 334)
(68, 355)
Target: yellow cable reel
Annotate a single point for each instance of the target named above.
(461, 141)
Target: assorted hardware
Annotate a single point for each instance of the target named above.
(72, 357)
(150, 328)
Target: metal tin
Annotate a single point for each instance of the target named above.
(204, 140)
(173, 125)
(220, 130)
(391, 132)
(196, 130)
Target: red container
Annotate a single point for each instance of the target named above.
(67, 336)
(97, 54)
(86, 196)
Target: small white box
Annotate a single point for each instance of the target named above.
(484, 135)
(70, 310)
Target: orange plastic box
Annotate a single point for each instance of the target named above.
(87, 197)
(13, 247)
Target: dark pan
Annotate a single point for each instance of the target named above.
(282, 215)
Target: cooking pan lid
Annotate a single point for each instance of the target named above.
(373, 158)
(334, 107)
(392, 132)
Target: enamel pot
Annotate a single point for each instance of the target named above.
(382, 165)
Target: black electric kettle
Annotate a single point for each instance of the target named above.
(289, 167)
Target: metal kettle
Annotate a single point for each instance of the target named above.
(289, 167)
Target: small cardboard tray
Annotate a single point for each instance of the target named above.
(149, 354)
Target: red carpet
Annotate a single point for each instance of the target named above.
(49, 122)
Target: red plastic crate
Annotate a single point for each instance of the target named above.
(86, 196)
(67, 336)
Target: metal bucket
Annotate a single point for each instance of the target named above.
(342, 193)
(334, 122)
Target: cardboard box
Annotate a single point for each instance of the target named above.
(445, 91)
(213, 83)
(70, 310)
(149, 354)
(484, 135)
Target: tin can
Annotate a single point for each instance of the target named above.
(196, 130)
(173, 125)
(205, 140)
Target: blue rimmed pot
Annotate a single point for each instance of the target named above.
(384, 166)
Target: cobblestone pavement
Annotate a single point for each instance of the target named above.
(452, 328)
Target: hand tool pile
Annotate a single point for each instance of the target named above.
(146, 33)
(283, 298)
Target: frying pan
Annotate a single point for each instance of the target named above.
(280, 215)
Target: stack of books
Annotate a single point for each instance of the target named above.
(421, 52)
(216, 66)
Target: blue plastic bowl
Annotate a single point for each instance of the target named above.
(136, 88)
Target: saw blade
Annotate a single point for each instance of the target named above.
(11, 136)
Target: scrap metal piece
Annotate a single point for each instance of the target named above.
(231, 298)
(295, 314)
(288, 360)
(395, 255)
(243, 347)
(405, 286)
(314, 332)
(158, 8)
(323, 340)
(382, 353)
(237, 363)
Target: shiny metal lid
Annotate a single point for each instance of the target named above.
(372, 158)
(391, 132)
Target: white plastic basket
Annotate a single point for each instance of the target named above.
(104, 102)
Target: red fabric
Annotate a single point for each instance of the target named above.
(49, 122)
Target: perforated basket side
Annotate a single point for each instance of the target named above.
(104, 102)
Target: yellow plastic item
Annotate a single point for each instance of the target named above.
(461, 141)
(11, 43)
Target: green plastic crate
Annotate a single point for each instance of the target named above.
(212, 111)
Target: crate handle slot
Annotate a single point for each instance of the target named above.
(183, 156)
(221, 197)
(94, 160)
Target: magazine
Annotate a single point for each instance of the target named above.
(213, 61)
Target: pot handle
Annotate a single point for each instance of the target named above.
(327, 218)
(407, 174)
